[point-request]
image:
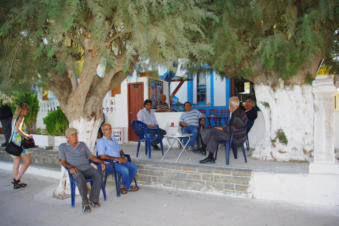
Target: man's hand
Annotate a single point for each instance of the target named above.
(183, 124)
(103, 166)
(73, 170)
(122, 160)
(202, 121)
(219, 128)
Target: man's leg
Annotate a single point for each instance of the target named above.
(96, 187)
(82, 187)
(195, 131)
(124, 172)
(132, 171)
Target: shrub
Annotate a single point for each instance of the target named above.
(56, 123)
(30, 98)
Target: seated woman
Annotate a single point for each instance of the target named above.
(221, 134)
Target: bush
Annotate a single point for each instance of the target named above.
(56, 123)
(30, 98)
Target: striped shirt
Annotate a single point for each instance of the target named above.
(162, 107)
(191, 117)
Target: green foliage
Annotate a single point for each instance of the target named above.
(56, 123)
(281, 137)
(30, 98)
(276, 38)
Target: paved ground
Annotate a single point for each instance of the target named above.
(34, 205)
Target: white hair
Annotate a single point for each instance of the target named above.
(234, 101)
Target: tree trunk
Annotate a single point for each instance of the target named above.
(87, 133)
(288, 115)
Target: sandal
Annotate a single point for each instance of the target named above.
(123, 190)
(94, 204)
(17, 184)
(86, 209)
(134, 188)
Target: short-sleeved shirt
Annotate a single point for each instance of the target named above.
(191, 117)
(147, 117)
(77, 157)
(108, 147)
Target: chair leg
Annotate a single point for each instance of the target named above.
(138, 149)
(103, 187)
(162, 148)
(243, 152)
(227, 154)
(247, 143)
(149, 150)
(73, 194)
(216, 153)
(117, 183)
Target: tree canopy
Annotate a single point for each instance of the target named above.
(263, 39)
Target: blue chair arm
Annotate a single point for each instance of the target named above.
(128, 157)
(97, 164)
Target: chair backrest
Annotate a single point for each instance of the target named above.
(224, 113)
(139, 128)
(214, 112)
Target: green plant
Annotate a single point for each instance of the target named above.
(56, 122)
(30, 98)
(281, 136)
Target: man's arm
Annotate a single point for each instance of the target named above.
(95, 159)
(71, 168)
(181, 121)
(119, 159)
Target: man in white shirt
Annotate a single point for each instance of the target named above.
(146, 116)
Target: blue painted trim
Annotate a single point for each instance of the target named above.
(228, 90)
(190, 89)
(212, 88)
(206, 67)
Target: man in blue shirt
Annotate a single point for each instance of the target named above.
(189, 121)
(109, 149)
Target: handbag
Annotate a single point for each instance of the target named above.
(13, 149)
(28, 143)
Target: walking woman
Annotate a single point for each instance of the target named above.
(18, 133)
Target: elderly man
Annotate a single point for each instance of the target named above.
(221, 134)
(74, 156)
(109, 149)
(251, 113)
(163, 106)
(189, 121)
(146, 116)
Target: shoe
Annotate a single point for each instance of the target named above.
(207, 160)
(94, 204)
(86, 209)
(17, 184)
(199, 151)
(155, 147)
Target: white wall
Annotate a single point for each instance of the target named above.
(182, 93)
(336, 130)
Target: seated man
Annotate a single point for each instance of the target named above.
(109, 149)
(146, 116)
(251, 113)
(189, 121)
(163, 106)
(74, 156)
(220, 134)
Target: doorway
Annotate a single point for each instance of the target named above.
(135, 103)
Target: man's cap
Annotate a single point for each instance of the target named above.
(70, 131)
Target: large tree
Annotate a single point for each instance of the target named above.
(278, 45)
(44, 41)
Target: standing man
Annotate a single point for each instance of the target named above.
(220, 134)
(163, 106)
(74, 156)
(109, 149)
(146, 116)
(6, 122)
(189, 121)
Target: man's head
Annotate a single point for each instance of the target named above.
(107, 130)
(148, 104)
(188, 106)
(249, 104)
(71, 135)
(163, 99)
(234, 103)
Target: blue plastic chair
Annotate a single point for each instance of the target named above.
(73, 184)
(224, 115)
(117, 177)
(228, 148)
(141, 130)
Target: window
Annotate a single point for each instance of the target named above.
(201, 88)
